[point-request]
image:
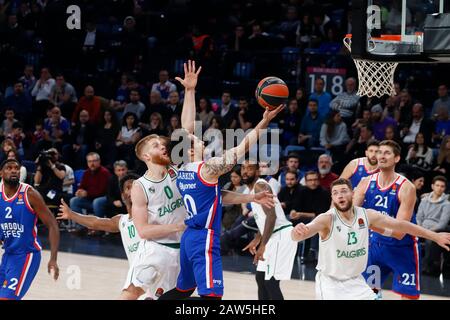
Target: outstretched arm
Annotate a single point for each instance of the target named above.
(217, 166)
(91, 222)
(391, 225)
(189, 82)
(263, 198)
(44, 214)
(139, 209)
(321, 224)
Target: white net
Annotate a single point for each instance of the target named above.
(376, 78)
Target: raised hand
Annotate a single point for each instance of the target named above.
(64, 211)
(269, 115)
(265, 198)
(190, 75)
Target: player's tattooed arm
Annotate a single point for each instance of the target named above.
(217, 166)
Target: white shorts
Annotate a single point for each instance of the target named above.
(154, 267)
(279, 256)
(356, 288)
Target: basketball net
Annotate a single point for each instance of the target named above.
(376, 78)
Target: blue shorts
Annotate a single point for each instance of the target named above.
(402, 261)
(201, 263)
(17, 271)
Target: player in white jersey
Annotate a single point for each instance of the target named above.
(343, 247)
(276, 251)
(122, 223)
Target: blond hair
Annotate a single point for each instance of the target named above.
(140, 146)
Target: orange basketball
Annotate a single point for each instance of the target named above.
(271, 92)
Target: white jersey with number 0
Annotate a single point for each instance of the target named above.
(165, 204)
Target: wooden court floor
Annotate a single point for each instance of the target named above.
(87, 277)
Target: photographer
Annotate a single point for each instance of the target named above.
(49, 176)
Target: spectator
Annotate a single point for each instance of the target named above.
(92, 104)
(93, 185)
(357, 147)
(68, 182)
(311, 201)
(232, 212)
(173, 105)
(347, 103)
(56, 130)
(302, 101)
(105, 139)
(405, 106)
(164, 86)
(247, 118)
(311, 125)
(12, 154)
(155, 125)
(227, 111)
(442, 127)
(156, 105)
(290, 123)
(204, 112)
(111, 204)
(64, 96)
(334, 136)
(135, 106)
(323, 98)
(434, 214)
(133, 84)
(131, 45)
(42, 91)
(90, 47)
(18, 137)
(80, 141)
(292, 164)
(28, 79)
(288, 194)
(420, 156)
(7, 145)
(122, 94)
(443, 100)
(418, 123)
(128, 136)
(287, 28)
(326, 177)
(443, 159)
(7, 124)
(380, 122)
(20, 102)
(49, 177)
(418, 179)
(238, 42)
(304, 31)
(391, 109)
(174, 124)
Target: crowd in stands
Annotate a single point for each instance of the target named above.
(74, 103)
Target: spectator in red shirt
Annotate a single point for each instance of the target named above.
(324, 164)
(91, 103)
(93, 186)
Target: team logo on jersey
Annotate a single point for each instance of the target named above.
(151, 190)
(338, 228)
(5, 283)
(372, 185)
(20, 199)
(361, 223)
(172, 173)
(360, 169)
(393, 190)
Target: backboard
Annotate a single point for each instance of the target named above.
(396, 30)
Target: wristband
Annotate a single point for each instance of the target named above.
(387, 232)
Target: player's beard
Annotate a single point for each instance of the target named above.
(343, 209)
(372, 162)
(12, 181)
(161, 160)
(248, 180)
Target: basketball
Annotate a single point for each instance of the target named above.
(271, 92)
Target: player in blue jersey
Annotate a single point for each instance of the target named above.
(197, 181)
(20, 208)
(362, 167)
(391, 251)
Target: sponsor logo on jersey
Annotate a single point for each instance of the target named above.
(186, 175)
(361, 223)
(12, 229)
(133, 247)
(5, 283)
(151, 190)
(351, 253)
(172, 173)
(20, 199)
(162, 211)
(393, 190)
(187, 186)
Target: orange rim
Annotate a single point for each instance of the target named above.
(383, 37)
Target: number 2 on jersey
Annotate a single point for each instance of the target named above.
(8, 213)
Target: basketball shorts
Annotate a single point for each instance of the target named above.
(201, 263)
(279, 255)
(17, 272)
(329, 288)
(155, 268)
(402, 261)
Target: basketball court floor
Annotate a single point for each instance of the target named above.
(95, 269)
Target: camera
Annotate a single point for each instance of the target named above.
(44, 157)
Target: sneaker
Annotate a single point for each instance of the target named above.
(250, 224)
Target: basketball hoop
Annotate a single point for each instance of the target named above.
(376, 78)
